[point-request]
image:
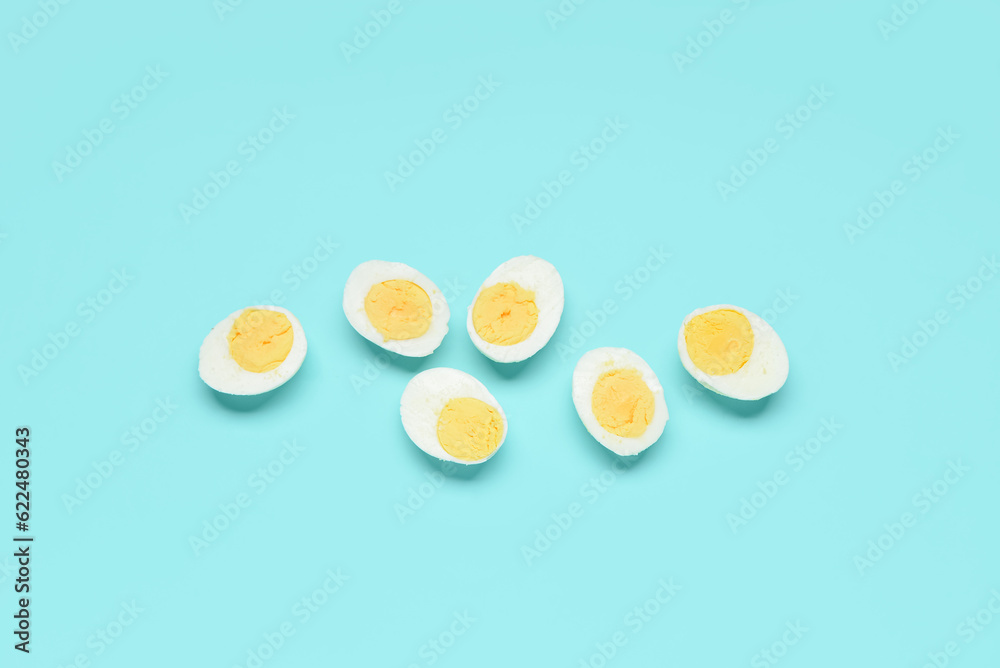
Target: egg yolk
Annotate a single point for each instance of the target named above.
(399, 309)
(622, 402)
(260, 340)
(719, 342)
(469, 429)
(505, 314)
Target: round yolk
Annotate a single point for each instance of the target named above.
(622, 402)
(469, 429)
(399, 309)
(505, 314)
(260, 340)
(719, 342)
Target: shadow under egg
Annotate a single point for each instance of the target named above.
(242, 403)
(457, 471)
(432, 464)
(743, 407)
(509, 370)
(408, 364)
(245, 403)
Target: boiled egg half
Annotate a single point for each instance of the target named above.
(516, 309)
(452, 416)
(396, 307)
(733, 352)
(252, 351)
(619, 399)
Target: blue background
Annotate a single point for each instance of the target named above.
(779, 241)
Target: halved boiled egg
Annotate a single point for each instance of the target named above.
(619, 399)
(252, 351)
(733, 352)
(516, 309)
(396, 307)
(452, 416)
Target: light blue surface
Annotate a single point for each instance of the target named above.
(778, 242)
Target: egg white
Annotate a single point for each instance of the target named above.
(368, 274)
(425, 397)
(220, 371)
(764, 372)
(539, 276)
(590, 367)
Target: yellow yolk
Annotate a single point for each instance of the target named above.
(505, 314)
(719, 342)
(260, 340)
(622, 402)
(399, 309)
(469, 429)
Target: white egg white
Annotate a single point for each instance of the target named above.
(764, 372)
(539, 276)
(368, 274)
(588, 370)
(425, 397)
(220, 371)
